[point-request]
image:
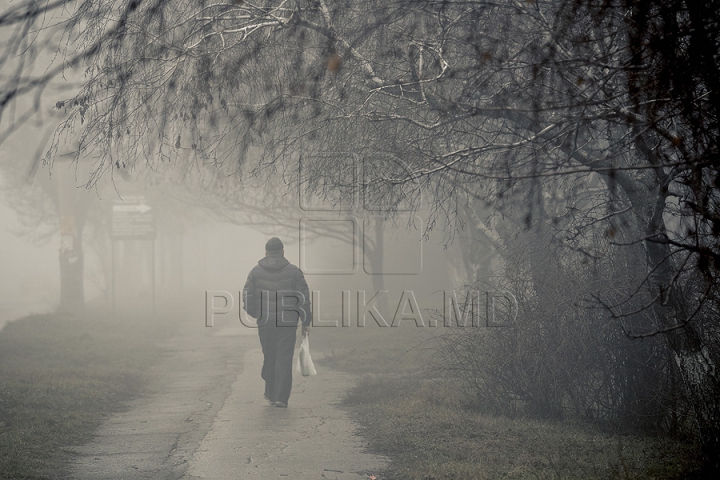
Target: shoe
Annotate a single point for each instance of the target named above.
(269, 401)
(281, 404)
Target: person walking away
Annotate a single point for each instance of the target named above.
(277, 296)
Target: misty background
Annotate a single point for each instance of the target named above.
(206, 246)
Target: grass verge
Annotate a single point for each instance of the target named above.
(428, 432)
(59, 377)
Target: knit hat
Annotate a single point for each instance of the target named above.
(274, 245)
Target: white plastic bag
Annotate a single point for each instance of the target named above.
(304, 363)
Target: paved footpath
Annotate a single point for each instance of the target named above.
(205, 418)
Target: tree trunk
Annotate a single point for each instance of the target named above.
(71, 209)
(72, 292)
(697, 368)
(377, 261)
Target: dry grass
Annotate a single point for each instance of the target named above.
(59, 376)
(430, 433)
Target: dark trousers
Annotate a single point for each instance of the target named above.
(278, 345)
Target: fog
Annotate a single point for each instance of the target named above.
(503, 210)
(195, 249)
(30, 275)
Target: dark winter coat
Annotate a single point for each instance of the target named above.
(276, 291)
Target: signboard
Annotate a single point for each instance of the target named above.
(133, 219)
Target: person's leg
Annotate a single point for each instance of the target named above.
(269, 349)
(283, 363)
